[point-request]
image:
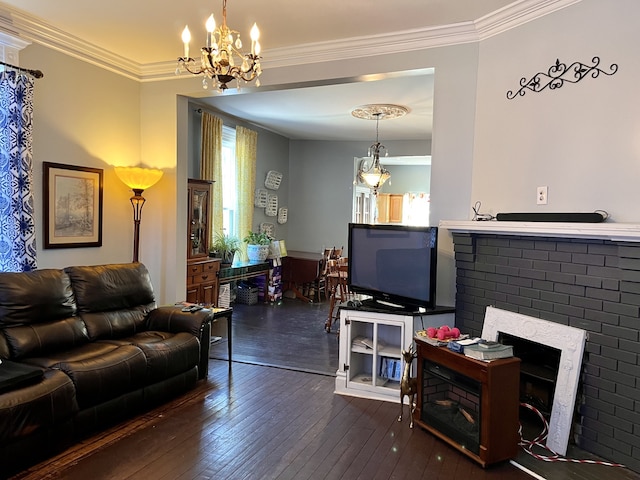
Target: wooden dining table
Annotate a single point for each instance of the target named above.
(300, 268)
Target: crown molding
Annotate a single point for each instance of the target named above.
(33, 29)
(517, 14)
(17, 23)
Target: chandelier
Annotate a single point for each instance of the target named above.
(221, 59)
(374, 174)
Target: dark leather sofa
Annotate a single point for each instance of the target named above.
(101, 348)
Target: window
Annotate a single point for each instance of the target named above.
(229, 198)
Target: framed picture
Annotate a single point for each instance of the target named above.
(72, 206)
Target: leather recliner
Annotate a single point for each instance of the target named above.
(105, 350)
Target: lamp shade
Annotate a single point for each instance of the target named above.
(138, 178)
(377, 177)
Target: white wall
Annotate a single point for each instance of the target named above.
(580, 140)
(85, 116)
(88, 116)
(148, 123)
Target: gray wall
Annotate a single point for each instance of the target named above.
(407, 178)
(272, 154)
(321, 188)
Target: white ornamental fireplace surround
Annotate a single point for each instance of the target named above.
(585, 275)
(569, 341)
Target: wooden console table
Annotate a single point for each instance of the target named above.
(243, 272)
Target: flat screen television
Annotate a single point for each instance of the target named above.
(394, 264)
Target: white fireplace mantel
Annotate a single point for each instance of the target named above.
(621, 232)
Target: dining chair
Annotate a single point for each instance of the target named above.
(338, 288)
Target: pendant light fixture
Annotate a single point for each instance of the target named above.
(374, 174)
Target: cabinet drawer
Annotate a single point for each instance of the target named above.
(201, 278)
(193, 269)
(211, 267)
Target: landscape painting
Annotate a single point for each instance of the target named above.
(73, 206)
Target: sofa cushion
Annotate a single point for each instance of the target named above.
(99, 371)
(115, 324)
(167, 354)
(34, 297)
(113, 300)
(44, 338)
(41, 405)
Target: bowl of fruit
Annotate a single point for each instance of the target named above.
(440, 335)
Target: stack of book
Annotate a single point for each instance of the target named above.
(488, 351)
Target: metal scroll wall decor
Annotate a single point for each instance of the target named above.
(558, 74)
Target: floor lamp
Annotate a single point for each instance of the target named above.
(138, 179)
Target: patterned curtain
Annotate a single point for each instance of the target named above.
(246, 147)
(211, 167)
(17, 229)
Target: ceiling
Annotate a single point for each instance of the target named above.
(148, 32)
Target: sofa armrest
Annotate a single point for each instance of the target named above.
(173, 319)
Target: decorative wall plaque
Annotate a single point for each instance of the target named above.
(273, 180)
(282, 215)
(271, 210)
(558, 74)
(260, 198)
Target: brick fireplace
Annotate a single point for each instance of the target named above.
(582, 275)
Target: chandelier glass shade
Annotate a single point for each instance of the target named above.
(376, 177)
(221, 59)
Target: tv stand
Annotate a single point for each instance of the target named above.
(371, 344)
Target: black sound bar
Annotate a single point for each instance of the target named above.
(594, 217)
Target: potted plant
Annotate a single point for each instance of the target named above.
(257, 246)
(225, 247)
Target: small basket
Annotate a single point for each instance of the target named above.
(260, 197)
(271, 210)
(273, 180)
(247, 295)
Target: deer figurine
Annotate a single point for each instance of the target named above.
(408, 385)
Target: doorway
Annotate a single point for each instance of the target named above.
(403, 200)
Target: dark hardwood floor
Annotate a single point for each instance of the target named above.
(263, 422)
(289, 335)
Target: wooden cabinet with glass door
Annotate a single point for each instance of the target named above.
(202, 271)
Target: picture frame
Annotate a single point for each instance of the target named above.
(72, 206)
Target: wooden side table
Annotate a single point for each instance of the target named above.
(218, 313)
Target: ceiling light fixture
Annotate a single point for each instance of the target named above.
(218, 58)
(374, 174)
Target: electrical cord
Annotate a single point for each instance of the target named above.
(479, 217)
(529, 445)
